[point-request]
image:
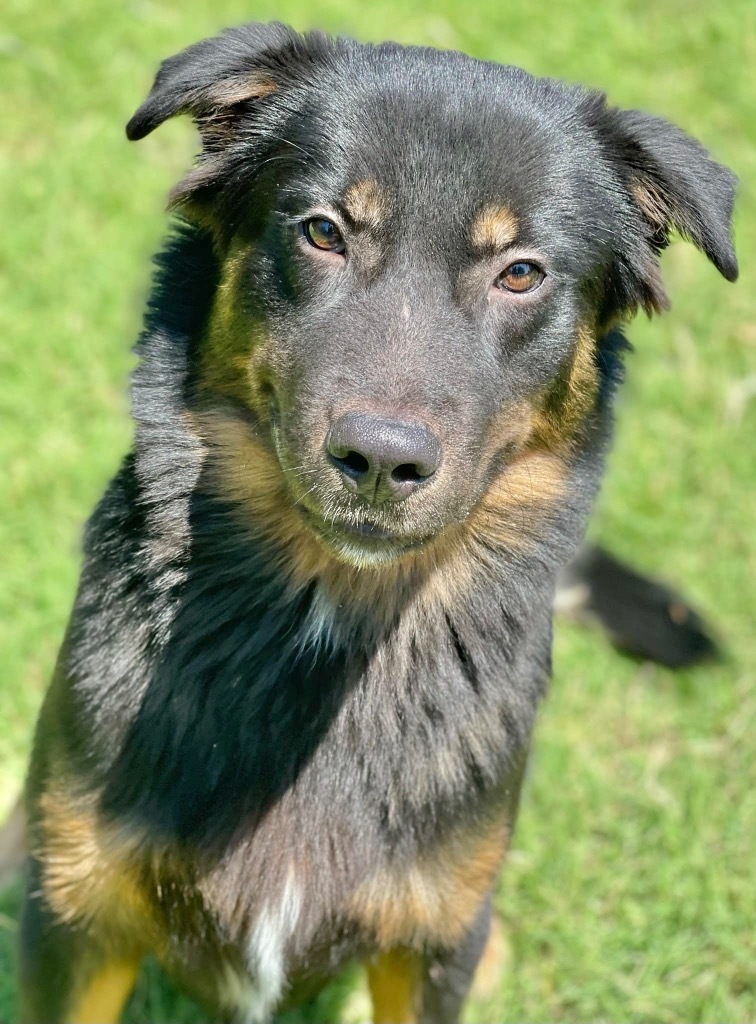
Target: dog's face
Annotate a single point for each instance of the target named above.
(421, 255)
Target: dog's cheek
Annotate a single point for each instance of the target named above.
(559, 412)
(236, 354)
(529, 448)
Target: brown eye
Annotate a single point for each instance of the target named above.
(323, 234)
(520, 277)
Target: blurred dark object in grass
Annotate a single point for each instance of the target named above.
(642, 616)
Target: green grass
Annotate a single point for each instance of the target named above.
(631, 891)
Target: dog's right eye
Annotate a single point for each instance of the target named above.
(323, 234)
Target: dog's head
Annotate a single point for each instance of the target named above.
(421, 257)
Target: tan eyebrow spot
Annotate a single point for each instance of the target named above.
(366, 202)
(494, 227)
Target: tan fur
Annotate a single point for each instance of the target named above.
(512, 511)
(433, 900)
(561, 411)
(583, 379)
(395, 983)
(89, 873)
(104, 996)
(662, 213)
(367, 203)
(230, 91)
(495, 227)
(653, 204)
(227, 365)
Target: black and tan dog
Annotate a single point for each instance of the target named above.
(293, 706)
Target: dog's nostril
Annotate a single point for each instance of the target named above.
(407, 473)
(382, 459)
(353, 464)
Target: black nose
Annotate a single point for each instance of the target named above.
(384, 460)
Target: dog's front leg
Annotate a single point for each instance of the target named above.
(408, 987)
(68, 974)
(449, 974)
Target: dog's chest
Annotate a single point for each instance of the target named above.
(266, 950)
(309, 913)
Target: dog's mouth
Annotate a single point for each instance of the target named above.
(355, 532)
(371, 531)
(362, 541)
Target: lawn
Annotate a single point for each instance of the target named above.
(630, 894)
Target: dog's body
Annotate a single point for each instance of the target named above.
(293, 708)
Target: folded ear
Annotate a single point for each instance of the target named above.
(212, 77)
(222, 83)
(678, 186)
(675, 186)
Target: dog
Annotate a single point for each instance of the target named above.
(291, 714)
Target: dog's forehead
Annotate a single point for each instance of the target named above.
(407, 129)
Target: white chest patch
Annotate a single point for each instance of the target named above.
(320, 625)
(266, 954)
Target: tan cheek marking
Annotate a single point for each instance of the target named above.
(512, 511)
(104, 996)
(395, 982)
(250, 476)
(230, 356)
(583, 380)
(434, 900)
(495, 227)
(367, 203)
(566, 405)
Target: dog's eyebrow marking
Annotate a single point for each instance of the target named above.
(366, 203)
(494, 227)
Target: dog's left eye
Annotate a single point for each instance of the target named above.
(323, 234)
(521, 276)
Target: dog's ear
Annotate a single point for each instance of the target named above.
(212, 78)
(223, 84)
(675, 185)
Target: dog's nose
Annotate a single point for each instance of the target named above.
(384, 460)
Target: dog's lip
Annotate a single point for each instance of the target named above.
(361, 530)
(371, 530)
(371, 535)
